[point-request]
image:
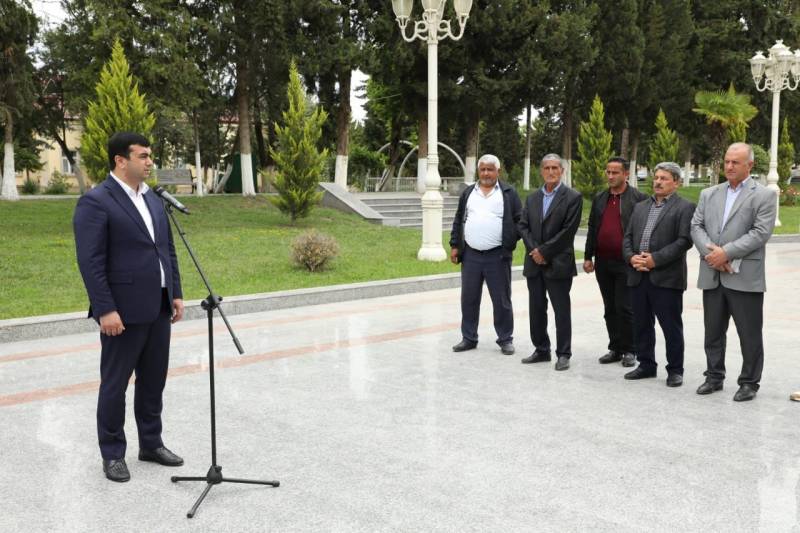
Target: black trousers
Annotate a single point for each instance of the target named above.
(144, 349)
(651, 302)
(612, 278)
(747, 310)
(539, 288)
(491, 267)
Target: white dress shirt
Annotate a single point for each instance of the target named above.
(483, 229)
(137, 197)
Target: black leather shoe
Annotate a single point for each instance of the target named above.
(562, 363)
(640, 373)
(161, 456)
(628, 359)
(708, 387)
(674, 380)
(610, 357)
(116, 470)
(536, 357)
(745, 393)
(465, 345)
(507, 348)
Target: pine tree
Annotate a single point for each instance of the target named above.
(118, 107)
(785, 155)
(594, 150)
(298, 160)
(664, 146)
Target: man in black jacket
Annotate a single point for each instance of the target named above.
(549, 221)
(655, 245)
(608, 219)
(483, 239)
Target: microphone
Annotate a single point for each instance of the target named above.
(171, 200)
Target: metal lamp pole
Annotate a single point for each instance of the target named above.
(432, 28)
(774, 71)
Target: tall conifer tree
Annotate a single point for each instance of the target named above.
(118, 107)
(298, 159)
(664, 146)
(594, 151)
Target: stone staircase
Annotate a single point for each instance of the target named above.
(407, 208)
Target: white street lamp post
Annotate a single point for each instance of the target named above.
(774, 71)
(432, 29)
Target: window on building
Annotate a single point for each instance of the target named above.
(66, 167)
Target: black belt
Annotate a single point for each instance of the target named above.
(490, 250)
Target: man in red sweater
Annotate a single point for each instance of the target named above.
(608, 218)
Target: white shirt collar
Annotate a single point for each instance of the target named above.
(143, 188)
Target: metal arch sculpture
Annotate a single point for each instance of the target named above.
(443, 145)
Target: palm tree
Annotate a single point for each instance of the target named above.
(727, 114)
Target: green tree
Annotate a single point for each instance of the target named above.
(18, 28)
(298, 160)
(761, 156)
(594, 150)
(723, 110)
(664, 146)
(118, 107)
(785, 155)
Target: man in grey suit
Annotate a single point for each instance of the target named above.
(655, 244)
(730, 228)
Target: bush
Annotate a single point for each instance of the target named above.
(790, 196)
(30, 187)
(58, 184)
(313, 250)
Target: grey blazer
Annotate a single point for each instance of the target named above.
(744, 237)
(669, 242)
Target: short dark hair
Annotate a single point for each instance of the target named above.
(621, 160)
(120, 144)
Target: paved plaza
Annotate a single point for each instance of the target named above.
(371, 423)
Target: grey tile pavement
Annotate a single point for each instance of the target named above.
(371, 423)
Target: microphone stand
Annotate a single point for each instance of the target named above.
(214, 475)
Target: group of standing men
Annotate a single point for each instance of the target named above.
(636, 245)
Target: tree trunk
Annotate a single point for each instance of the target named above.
(633, 179)
(526, 173)
(473, 132)
(623, 141)
(687, 168)
(343, 124)
(243, 105)
(566, 145)
(9, 190)
(422, 154)
(394, 154)
(198, 164)
(62, 143)
(258, 128)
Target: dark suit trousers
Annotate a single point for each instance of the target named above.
(651, 302)
(539, 288)
(144, 349)
(747, 310)
(491, 267)
(612, 278)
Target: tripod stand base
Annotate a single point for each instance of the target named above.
(214, 477)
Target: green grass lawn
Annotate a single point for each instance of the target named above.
(242, 243)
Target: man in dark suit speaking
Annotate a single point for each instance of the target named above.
(655, 246)
(127, 259)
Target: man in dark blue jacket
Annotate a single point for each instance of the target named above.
(483, 239)
(127, 259)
